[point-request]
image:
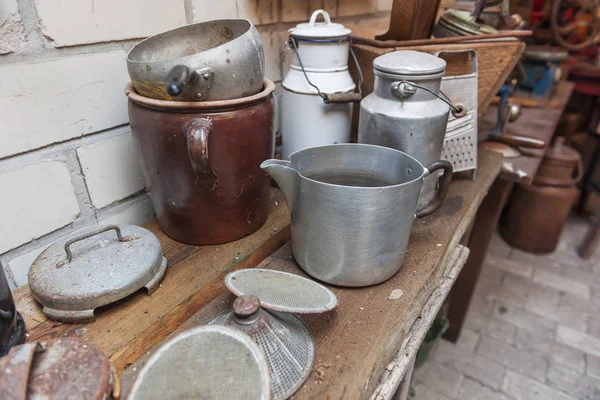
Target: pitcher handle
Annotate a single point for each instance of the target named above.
(198, 135)
(442, 190)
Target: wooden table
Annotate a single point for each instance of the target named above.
(539, 122)
(357, 344)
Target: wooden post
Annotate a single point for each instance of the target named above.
(484, 227)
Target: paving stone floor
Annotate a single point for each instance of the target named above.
(532, 330)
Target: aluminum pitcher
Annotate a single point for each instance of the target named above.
(352, 208)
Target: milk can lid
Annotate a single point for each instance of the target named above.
(409, 62)
(314, 29)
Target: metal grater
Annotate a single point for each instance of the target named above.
(460, 144)
(208, 362)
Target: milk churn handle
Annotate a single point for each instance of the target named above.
(335, 98)
(406, 89)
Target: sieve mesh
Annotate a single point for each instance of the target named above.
(209, 362)
(287, 345)
(281, 291)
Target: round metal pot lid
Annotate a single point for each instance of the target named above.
(315, 30)
(94, 268)
(208, 362)
(409, 62)
(282, 291)
(546, 53)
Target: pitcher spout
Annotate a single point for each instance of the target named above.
(285, 176)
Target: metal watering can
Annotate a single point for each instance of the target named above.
(352, 208)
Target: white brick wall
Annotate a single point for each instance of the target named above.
(11, 27)
(35, 200)
(260, 12)
(67, 160)
(74, 22)
(206, 10)
(51, 101)
(111, 169)
(19, 266)
(134, 211)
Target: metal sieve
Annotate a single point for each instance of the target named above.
(284, 339)
(208, 362)
(282, 291)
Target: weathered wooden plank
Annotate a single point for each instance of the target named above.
(396, 370)
(356, 342)
(127, 329)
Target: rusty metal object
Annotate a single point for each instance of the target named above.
(502, 148)
(58, 369)
(15, 371)
(201, 161)
(559, 166)
(88, 270)
(536, 216)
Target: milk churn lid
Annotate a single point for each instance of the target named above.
(409, 62)
(85, 271)
(314, 29)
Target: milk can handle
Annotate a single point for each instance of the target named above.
(313, 17)
(403, 89)
(334, 97)
(85, 236)
(197, 136)
(442, 189)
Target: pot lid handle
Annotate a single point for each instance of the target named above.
(313, 17)
(87, 235)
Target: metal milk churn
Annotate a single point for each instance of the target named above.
(318, 90)
(405, 110)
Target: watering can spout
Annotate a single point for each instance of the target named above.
(285, 176)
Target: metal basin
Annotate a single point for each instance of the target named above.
(208, 61)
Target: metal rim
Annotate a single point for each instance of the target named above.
(268, 89)
(232, 279)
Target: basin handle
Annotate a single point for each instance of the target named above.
(198, 135)
(178, 77)
(442, 189)
(195, 84)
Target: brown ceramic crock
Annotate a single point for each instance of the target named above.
(201, 161)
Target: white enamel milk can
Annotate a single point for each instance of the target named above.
(318, 91)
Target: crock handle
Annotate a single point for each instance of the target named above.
(442, 190)
(198, 135)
